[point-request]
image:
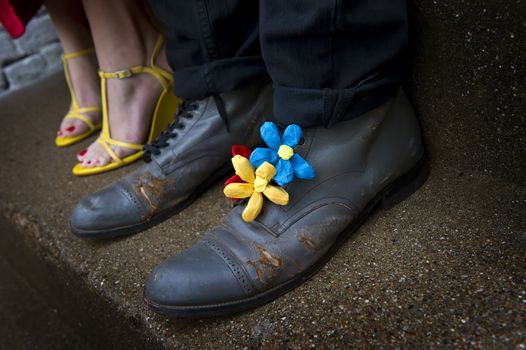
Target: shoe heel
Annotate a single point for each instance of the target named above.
(406, 185)
(164, 113)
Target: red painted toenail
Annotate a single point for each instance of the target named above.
(59, 133)
(83, 152)
(70, 129)
(88, 162)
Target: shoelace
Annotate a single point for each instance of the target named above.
(154, 148)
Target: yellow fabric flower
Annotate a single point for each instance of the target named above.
(257, 185)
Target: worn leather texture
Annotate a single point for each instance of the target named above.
(201, 149)
(354, 161)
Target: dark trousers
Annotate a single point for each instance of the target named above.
(329, 60)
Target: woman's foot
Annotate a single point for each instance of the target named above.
(86, 86)
(131, 102)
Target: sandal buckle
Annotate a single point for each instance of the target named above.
(123, 74)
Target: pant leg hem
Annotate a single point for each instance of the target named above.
(326, 107)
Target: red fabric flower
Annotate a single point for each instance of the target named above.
(238, 150)
(241, 150)
(233, 179)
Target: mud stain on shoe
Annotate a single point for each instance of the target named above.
(267, 266)
(267, 258)
(152, 189)
(308, 242)
(259, 272)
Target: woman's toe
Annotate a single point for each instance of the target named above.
(72, 127)
(96, 156)
(66, 127)
(87, 159)
(81, 155)
(70, 130)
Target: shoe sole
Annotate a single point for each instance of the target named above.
(394, 193)
(155, 219)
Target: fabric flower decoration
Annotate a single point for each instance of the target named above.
(242, 151)
(256, 185)
(281, 153)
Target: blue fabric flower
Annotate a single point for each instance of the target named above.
(281, 153)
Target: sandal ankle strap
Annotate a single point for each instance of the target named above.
(129, 72)
(75, 54)
(164, 77)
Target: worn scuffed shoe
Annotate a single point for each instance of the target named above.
(374, 160)
(192, 154)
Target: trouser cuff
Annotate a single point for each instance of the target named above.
(326, 107)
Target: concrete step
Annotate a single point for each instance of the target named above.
(443, 269)
(43, 327)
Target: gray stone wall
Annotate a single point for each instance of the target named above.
(32, 56)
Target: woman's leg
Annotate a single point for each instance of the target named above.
(73, 30)
(124, 36)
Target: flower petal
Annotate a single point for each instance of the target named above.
(276, 195)
(284, 172)
(253, 208)
(266, 171)
(241, 150)
(262, 155)
(243, 168)
(270, 134)
(238, 190)
(302, 169)
(233, 179)
(291, 136)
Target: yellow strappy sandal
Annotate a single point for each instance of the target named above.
(76, 112)
(163, 114)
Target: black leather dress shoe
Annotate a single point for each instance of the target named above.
(192, 154)
(375, 160)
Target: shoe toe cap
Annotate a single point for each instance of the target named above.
(195, 277)
(107, 209)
